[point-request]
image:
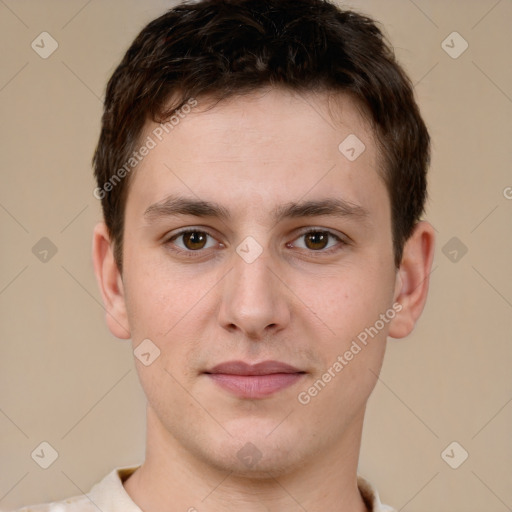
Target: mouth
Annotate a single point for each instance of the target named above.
(254, 380)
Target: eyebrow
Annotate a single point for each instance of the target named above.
(334, 207)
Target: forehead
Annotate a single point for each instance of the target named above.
(269, 119)
(269, 147)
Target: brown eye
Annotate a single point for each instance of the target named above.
(190, 240)
(194, 240)
(317, 240)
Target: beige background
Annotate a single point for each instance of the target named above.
(66, 380)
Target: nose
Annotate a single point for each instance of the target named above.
(254, 298)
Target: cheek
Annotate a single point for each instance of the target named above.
(158, 297)
(349, 300)
(171, 308)
(351, 305)
(352, 350)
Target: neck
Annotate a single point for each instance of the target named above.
(174, 479)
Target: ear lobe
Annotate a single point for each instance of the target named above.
(412, 281)
(110, 282)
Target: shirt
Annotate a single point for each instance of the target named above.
(109, 495)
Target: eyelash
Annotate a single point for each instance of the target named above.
(192, 254)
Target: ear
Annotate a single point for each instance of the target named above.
(110, 282)
(412, 280)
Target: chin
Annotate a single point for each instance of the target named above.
(257, 456)
(264, 469)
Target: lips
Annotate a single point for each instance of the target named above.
(254, 380)
(263, 368)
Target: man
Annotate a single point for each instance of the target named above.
(262, 171)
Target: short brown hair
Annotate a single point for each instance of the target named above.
(223, 48)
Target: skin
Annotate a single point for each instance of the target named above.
(295, 303)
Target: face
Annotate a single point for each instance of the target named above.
(288, 259)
